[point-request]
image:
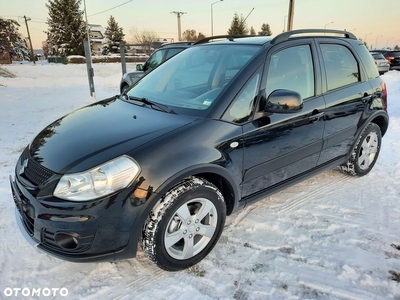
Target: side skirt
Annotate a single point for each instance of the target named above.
(289, 182)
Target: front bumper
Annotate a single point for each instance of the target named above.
(78, 232)
(27, 236)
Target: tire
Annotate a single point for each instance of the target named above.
(185, 225)
(365, 153)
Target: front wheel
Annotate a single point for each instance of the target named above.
(366, 152)
(185, 225)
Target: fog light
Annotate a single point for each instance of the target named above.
(66, 241)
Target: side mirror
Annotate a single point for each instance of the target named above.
(283, 101)
(139, 67)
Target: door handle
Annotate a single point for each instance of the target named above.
(315, 117)
(366, 99)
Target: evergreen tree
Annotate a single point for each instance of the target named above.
(113, 36)
(265, 30)
(396, 47)
(238, 25)
(66, 28)
(12, 41)
(252, 31)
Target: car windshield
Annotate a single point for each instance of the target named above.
(192, 81)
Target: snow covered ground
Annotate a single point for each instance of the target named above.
(330, 237)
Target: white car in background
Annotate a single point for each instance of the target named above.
(381, 62)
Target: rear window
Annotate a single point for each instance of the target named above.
(341, 66)
(378, 56)
(394, 53)
(368, 62)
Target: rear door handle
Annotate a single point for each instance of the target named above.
(314, 118)
(366, 99)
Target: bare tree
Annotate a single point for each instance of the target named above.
(146, 38)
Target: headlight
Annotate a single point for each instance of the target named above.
(98, 182)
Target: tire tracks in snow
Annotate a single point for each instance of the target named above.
(296, 202)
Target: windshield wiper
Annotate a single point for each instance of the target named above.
(152, 104)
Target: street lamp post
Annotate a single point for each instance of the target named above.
(387, 41)
(328, 24)
(365, 37)
(284, 23)
(212, 17)
(376, 41)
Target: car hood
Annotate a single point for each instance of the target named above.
(100, 132)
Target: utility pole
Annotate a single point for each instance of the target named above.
(290, 15)
(29, 37)
(88, 55)
(178, 16)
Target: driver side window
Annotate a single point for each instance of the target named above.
(291, 69)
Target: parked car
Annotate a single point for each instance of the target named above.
(393, 56)
(381, 62)
(212, 130)
(163, 53)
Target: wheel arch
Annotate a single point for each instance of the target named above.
(123, 85)
(382, 121)
(215, 174)
(379, 118)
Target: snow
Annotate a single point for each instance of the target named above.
(330, 237)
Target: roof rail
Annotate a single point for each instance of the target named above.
(230, 37)
(286, 35)
(177, 43)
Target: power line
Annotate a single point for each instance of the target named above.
(110, 8)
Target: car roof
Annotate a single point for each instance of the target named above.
(261, 40)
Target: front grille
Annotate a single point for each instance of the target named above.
(32, 170)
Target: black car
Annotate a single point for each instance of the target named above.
(393, 56)
(163, 53)
(223, 124)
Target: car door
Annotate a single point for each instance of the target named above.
(346, 92)
(280, 146)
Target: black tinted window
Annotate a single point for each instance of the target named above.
(242, 107)
(292, 69)
(340, 65)
(173, 51)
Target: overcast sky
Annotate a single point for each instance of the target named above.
(377, 21)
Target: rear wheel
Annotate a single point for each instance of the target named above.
(185, 225)
(365, 153)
